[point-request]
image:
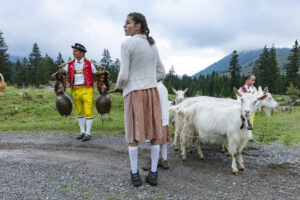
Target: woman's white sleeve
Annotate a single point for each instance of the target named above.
(160, 69)
(124, 68)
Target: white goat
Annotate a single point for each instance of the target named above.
(179, 95)
(220, 122)
(268, 104)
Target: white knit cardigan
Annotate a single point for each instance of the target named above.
(141, 66)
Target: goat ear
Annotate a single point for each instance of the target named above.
(186, 89)
(174, 90)
(265, 90)
(262, 97)
(237, 92)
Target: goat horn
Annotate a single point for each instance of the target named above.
(265, 90)
(237, 92)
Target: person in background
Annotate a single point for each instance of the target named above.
(81, 72)
(249, 87)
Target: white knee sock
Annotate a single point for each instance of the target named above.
(133, 156)
(81, 120)
(154, 157)
(250, 135)
(89, 122)
(163, 150)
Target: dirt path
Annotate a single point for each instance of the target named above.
(56, 166)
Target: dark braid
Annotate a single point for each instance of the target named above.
(139, 18)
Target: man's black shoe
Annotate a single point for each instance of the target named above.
(86, 138)
(79, 137)
(151, 178)
(136, 179)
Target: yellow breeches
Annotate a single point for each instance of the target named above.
(84, 100)
(252, 118)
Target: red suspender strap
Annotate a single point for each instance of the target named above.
(244, 89)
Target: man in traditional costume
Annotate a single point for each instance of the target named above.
(80, 71)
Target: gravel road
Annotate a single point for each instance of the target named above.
(57, 166)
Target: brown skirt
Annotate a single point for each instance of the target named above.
(142, 113)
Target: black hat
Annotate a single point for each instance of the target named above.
(80, 47)
(247, 76)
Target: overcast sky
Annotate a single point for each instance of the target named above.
(190, 34)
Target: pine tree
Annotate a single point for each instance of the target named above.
(281, 84)
(256, 72)
(44, 69)
(27, 70)
(5, 65)
(114, 71)
(34, 59)
(272, 71)
(20, 75)
(234, 70)
(292, 67)
(172, 71)
(262, 68)
(170, 79)
(106, 60)
(59, 59)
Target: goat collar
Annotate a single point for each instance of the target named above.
(243, 122)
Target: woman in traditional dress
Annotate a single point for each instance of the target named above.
(140, 70)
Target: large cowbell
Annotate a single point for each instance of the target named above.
(64, 104)
(103, 104)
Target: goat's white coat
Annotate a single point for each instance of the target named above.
(164, 103)
(212, 123)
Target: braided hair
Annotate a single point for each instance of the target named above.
(139, 18)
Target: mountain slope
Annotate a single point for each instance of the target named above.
(246, 60)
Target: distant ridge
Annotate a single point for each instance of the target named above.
(246, 60)
(14, 59)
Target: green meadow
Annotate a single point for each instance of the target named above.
(36, 113)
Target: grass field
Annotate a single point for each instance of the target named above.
(284, 127)
(39, 114)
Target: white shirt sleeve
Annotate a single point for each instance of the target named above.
(94, 70)
(66, 68)
(160, 69)
(124, 68)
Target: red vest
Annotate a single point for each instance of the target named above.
(87, 73)
(244, 89)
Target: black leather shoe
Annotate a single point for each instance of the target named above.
(136, 179)
(151, 178)
(79, 137)
(86, 138)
